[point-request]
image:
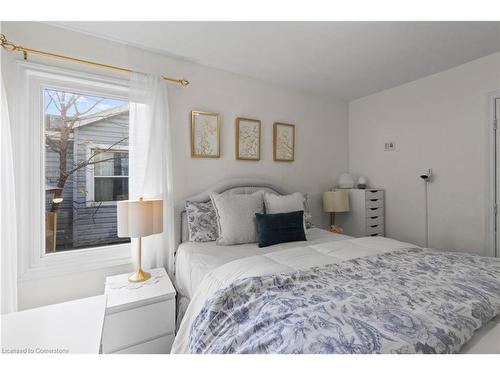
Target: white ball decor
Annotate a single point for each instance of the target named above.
(362, 182)
(346, 181)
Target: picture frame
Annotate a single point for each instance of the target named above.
(247, 139)
(205, 134)
(283, 142)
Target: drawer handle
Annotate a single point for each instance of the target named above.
(373, 208)
(374, 234)
(373, 200)
(373, 191)
(374, 217)
(373, 226)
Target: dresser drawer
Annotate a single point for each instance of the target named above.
(126, 328)
(375, 229)
(374, 194)
(375, 211)
(374, 220)
(161, 345)
(374, 203)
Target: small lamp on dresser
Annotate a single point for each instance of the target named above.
(137, 219)
(335, 201)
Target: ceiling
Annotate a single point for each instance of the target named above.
(343, 59)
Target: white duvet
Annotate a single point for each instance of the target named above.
(194, 260)
(321, 250)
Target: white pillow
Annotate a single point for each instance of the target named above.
(280, 204)
(236, 216)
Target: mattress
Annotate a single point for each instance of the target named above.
(196, 259)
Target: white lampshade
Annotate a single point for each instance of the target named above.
(140, 218)
(336, 201)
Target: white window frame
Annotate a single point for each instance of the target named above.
(34, 263)
(89, 177)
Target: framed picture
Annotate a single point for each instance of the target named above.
(205, 134)
(283, 142)
(247, 139)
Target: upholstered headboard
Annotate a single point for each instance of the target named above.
(236, 186)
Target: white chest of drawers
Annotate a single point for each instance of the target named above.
(140, 317)
(366, 213)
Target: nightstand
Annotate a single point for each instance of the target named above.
(140, 317)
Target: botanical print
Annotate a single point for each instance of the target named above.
(405, 301)
(284, 139)
(205, 134)
(248, 139)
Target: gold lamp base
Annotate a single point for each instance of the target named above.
(336, 229)
(139, 276)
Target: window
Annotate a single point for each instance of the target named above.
(110, 176)
(86, 168)
(73, 131)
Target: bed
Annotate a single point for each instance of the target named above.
(208, 277)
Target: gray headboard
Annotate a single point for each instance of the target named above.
(236, 186)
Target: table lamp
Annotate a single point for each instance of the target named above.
(137, 219)
(335, 201)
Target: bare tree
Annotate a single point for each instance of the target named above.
(59, 140)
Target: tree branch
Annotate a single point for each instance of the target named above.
(55, 102)
(79, 114)
(106, 149)
(89, 160)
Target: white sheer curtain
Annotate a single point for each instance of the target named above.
(150, 163)
(8, 230)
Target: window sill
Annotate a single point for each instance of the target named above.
(74, 261)
(101, 204)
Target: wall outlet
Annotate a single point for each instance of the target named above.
(390, 146)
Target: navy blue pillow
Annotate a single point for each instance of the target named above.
(278, 228)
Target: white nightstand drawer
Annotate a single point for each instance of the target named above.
(374, 194)
(161, 345)
(375, 229)
(374, 220)
(374, 203)
(126, 328)
(374, 211)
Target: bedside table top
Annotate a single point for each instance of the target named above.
(123, 295)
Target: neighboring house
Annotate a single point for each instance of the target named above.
(87, 215)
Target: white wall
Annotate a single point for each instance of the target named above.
(321, 132)
(437, 122)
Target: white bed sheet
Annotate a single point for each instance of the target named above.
(194, 260)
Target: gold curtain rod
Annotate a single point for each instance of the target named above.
(11, 47)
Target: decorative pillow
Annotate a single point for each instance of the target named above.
(236, 216)
(309, 219)
(278, 228)
(202, 221)
(276, 204)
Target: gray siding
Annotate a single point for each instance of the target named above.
(95, 225)
(79, 225)
(65, 212)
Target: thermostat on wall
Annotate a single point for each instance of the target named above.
(390, 146)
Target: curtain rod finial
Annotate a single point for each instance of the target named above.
(184, 82)
(9, 46)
